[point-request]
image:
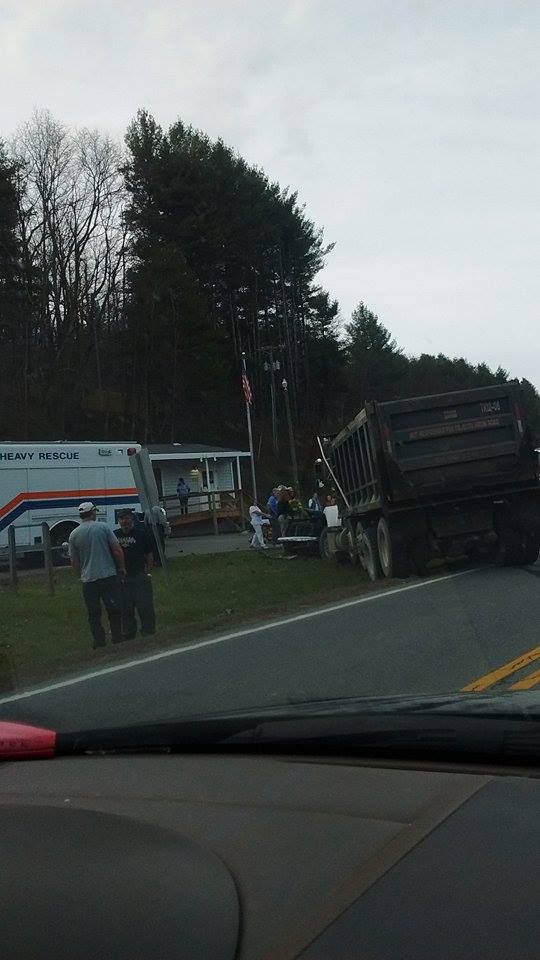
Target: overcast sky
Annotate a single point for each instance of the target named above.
(410, 130)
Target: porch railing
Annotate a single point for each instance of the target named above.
(205, 505)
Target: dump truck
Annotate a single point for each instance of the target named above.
(436, 476)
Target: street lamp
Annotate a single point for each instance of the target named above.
(292, 445)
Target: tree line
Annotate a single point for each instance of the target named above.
(132, 280)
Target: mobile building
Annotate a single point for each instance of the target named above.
(47, 481)
(204, 467)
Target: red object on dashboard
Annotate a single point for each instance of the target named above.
(19, 741)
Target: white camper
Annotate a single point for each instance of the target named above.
(47, 481)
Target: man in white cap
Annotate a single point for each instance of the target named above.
(98, 558)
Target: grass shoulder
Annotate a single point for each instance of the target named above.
(44, 637)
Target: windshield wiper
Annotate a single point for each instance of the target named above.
(426, 727)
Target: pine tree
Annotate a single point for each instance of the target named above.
(245, 245)
(376, 366)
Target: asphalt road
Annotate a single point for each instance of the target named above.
(421, 638)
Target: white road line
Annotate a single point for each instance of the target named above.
(188, 648)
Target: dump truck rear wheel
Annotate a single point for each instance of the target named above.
(368, 553)
(324, 547)
(352, 547)
(531, 548)
(420, 557)
(511, 548)
(393, 551)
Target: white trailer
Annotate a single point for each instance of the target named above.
(47, 481)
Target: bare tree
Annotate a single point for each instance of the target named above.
(73, 237)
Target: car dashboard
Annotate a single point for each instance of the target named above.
(162, 857)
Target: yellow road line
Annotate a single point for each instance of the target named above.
(505, 671)
(527, 682)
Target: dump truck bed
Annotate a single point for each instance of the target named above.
(435, 445)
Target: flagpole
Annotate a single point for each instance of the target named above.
(250, 432)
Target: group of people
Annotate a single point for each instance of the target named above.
(282, 506)
(115, 569)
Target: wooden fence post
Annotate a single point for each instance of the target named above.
(212, 504)
(12, 550)
(47, 556)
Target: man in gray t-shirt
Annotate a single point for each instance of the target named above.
(98, 558)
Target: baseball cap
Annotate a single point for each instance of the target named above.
(86, 507)
(127, 512)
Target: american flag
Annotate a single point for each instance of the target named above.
(248, 396)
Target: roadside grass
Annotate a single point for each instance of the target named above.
(44, 637)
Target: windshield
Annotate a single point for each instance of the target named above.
(269, 359)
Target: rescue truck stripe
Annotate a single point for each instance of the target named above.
(62, 498)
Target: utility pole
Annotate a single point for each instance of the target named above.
(248, 397)
(271, 366)
(292, 444)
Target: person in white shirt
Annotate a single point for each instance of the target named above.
(258, 520)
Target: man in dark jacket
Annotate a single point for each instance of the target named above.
(182, 492)
(138, 595)
(272, 508)
(284, 509)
